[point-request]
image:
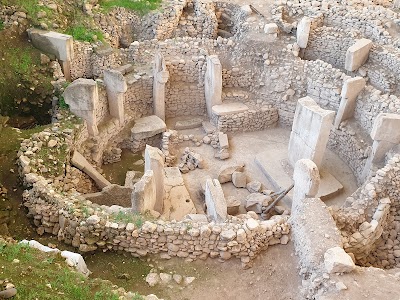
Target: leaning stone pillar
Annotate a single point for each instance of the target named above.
(217, 209)
(116, 87)
(310, 132)
(161, 76)
(351, 89)
(386, 135)
(213, 83)
(82, 96)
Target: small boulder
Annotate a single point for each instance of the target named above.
(338, 261)
(239, 179)
(152, 279)
(225, 173)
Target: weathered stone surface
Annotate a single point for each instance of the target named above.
(229, 108)
(225, 172)
(386, 128)
(255, 202)
(303, 32)
(357, 54)
(338, 261)
(215, 200)
(310, 131)
(144, 193)
(82, 164)
(213, 83)
(239, 179)
(58, 44)
(154, 160)
(147, 127)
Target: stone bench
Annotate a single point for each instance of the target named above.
(229, 108)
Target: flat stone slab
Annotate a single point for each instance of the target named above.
(147, 127)
(275, 166)
(229, 108)
(177, 201)
(188, 124)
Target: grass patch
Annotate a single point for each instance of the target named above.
(21, 61)
(43, 276)
(125, 217)
(141, 6)
(1, 25)
(82, 33)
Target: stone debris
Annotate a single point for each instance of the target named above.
(190, 160)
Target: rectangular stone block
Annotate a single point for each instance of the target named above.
(351, 89)
(357, 54)
(144, 193)
(303, 32)
(217, 209)
(310, 131)
(386, 128)
(213, 83)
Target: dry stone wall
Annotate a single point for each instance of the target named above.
(369, 219)
(251, 120)
(89, 226)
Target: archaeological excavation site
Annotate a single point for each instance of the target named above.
(199, 149)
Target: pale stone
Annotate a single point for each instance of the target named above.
(357, 54)
(338, 261)
(215, 200)
(226, 171)
(213, 83)
(239, 179)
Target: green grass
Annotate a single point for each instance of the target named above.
(21, 61)
(62, 104)
(37, 275)
(141, 6)
(82, 33)
(124, 217)
(1, 25)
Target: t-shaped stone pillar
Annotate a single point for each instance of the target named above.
(310, 131)
(351, 89)
(82, 96)
(161, 76)
(116, 87)
(213, 83)
(386, 135)
(59, 44)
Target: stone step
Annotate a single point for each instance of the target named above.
(188, 124)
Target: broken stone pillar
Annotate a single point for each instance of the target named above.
(154, 160)
(116, 87)
(82, 164)
(217, 209)
(306, 181)
(82, 96)
(351, 89)
(58, 44)
(144, 193)
(386, 135)
(161, 76)
(310, 132)
(303, 32)
(213, 83)
(357, 54)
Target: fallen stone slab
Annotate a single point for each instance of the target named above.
(82, 164)
(148, 127)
